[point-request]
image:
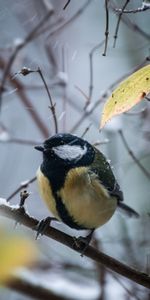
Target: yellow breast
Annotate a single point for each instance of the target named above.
(86, 200)
(46, 193)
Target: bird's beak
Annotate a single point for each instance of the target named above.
(39, 148)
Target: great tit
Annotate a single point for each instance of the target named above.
(77, 183)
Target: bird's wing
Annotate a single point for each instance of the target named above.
(104, 172)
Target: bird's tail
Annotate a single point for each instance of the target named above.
(130, 212)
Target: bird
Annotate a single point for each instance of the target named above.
(77, 183)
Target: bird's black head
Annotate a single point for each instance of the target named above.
(67, 151)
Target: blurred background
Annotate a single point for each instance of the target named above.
(61, 42)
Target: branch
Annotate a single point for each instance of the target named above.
(27, 103)
(26, 71)
(20, 141)
(71, 20)
(86, 130)
(129, 11)
(118, 23)
(67, 3)
(29, 38)
(23, 185)
(88, 112)
(107, 27)
(146, 173)
(91, 70)
(109, 262)
(130, 24)
(32, 111)
(36, 291)
(5, 137)
(52, 105)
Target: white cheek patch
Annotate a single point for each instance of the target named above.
(70, 152)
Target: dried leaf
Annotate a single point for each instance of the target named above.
(129, 92)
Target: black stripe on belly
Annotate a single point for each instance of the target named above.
(64, 215)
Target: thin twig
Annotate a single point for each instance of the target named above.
(25, 71)
(99, 143)
(46, 27)
(71, 20)
(29, 38)
(88, 112)
(146, 173)
(30, 108)
(102, 258)
(36, 291)
(86, 130)
(102, 276)
(130, 11)
(102, 271)
(19, 141)
(23, 185)
(27, 103)
(57, 82)
(67, 3)
(131, 293)
(82, 92)
(64, 92)
(135, 113)
(118, 23)
(91, 69)
(107, 27)
(52, 105)
(92, 273)
(51, 57)
(130, 24)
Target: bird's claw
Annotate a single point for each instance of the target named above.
(82, 243)
(43, 225)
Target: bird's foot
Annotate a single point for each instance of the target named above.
(82, 243)
(43, 225)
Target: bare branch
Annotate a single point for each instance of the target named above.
(130, 24)
(118, 23)
(22, 186)
(104, 259)
(130, 11)
(27, 103)
(52, 105)
(67, 3)
(90, 110)
(13, 140)
(29, 38)
(107, 26)
(36, 291)
(26, 71)
(86, 130)
(71, 20)
(82, 92)
(91, 69)
(146, 173)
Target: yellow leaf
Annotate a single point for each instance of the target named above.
(129, 92)
(15, 251)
